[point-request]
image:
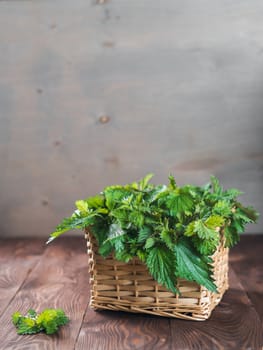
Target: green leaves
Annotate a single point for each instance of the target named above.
(26, 324)
(203, 231)
(172, 229)
(95, 202)
(179, 203)
(247, 214)
(72, 223)
(144, 233)
(231, 234)
(191, 266)
(114, 195)
(136, 218)
(214, 221)
(222, 208)
(114, 241)
(82, 206)
(144, 182)
(206, 234)
(149, 243)
(47, 321)
(160, 262)
(217, 189)
(172, 183)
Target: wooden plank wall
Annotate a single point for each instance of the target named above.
(100, 92)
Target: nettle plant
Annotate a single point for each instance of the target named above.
(173, 230)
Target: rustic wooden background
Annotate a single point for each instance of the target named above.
(100, 92)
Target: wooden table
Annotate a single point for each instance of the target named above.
(35, 276)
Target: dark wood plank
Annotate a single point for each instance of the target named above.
(246, 258)
(59, 280)
(23, 248)
(105, 330)
(234, 324)
(17, 258)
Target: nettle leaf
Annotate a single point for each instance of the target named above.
(238, 224)
(82, 206)
(179, 228)
(217, 189)
(144, 233)
(167, 237)
(179, 203)
(160, 263)
(141, 255)
(151, 220)
(16, 317)
(223, 208)
(144, 182)
(122, 215)
(136, 218)
(248, 212)
(102, 211)
(115, 231)
(149, 243)
(190, 229)
(127, 201)
(172, 182)
(206, 246)
(205, 235)
(206, 187)
(31, 313)
(191, 266)
(241, 215)
(214, 221)
(232, 193)
(97, 201)
(105, 248)
(100, 229)
(27, 326)
(114, 195)
(114, 240)
(156, 193)
(231, 235)
(118, 244)
(72, 223)
(203, 231)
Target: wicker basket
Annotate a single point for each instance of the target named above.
(121, 286)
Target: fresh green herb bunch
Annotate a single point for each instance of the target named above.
(173, 229)
(47, 321)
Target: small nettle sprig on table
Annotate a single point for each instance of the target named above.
(48, 321)
(173, 230)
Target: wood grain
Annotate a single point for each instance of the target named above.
(234, 324)
(17, 259)
(121, 331)
(59, 278)
(247, 261)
